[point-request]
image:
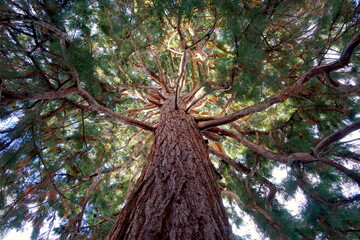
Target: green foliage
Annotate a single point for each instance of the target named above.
(61, 160)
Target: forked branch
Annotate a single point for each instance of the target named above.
(302, 157)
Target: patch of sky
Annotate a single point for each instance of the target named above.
(247, 230)
(279, 174)
(25, 232)
(293, 204)
(9, 122)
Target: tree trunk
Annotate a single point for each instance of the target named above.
(176, 196)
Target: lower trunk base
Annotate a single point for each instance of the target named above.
(176, 196)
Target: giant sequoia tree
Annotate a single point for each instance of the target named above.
(165, 119)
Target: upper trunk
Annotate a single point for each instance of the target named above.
(176, 196)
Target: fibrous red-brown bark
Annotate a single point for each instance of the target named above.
(176, 196)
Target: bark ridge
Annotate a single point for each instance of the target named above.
(176, 196)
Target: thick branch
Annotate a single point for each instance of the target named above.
(97, 107)
(287, 159)
(196, 101)
(203, 118)
(239, 167)
(190, 96)
(254, 147)
(289, 91)
(335, 137)
(341, 168)
(9, 95)
(339, 86)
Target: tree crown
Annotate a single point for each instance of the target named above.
(271, 84)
